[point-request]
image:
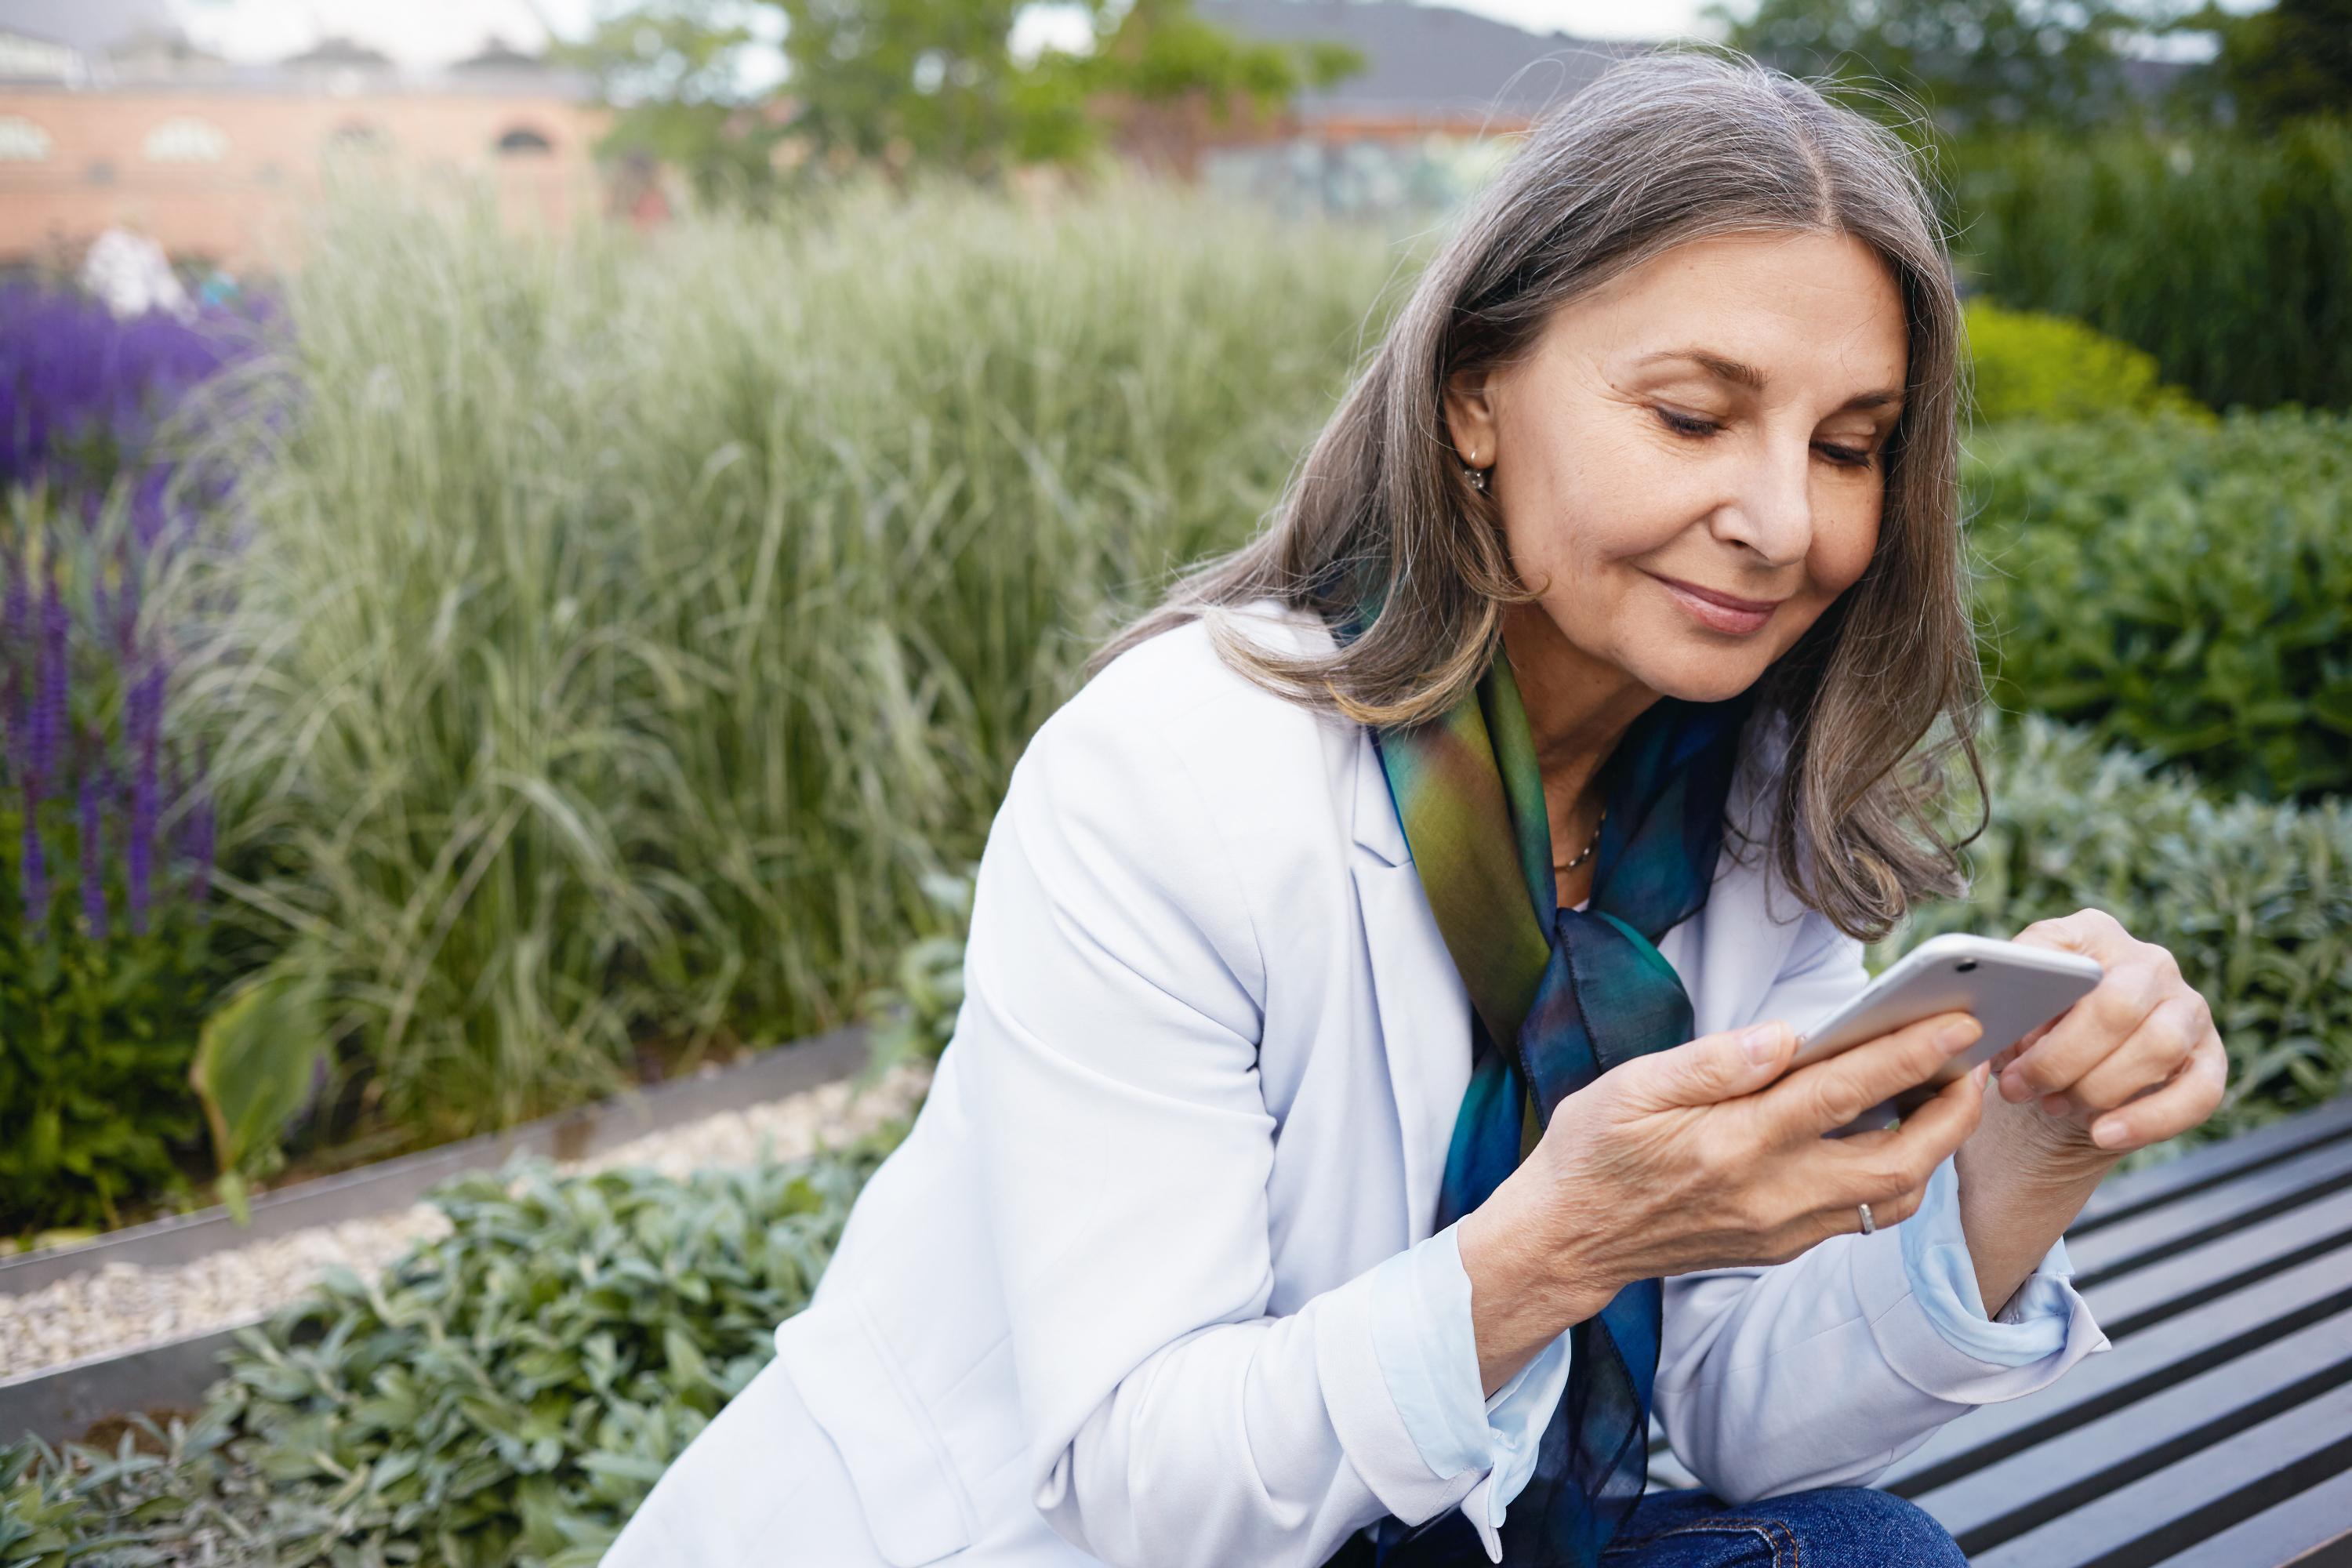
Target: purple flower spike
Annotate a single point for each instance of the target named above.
(17, 719)
(93, 866)
(36, 874)
(196, 825)
(49, 702)
(15, 604)
(145, 706)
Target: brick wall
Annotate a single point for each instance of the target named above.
(215, 173)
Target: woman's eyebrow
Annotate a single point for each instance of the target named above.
(1731, 370)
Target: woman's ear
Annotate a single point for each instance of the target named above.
(1470, 417)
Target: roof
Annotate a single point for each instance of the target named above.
(497, 55)
(1427, 62)
(334, 50)
(88, 27)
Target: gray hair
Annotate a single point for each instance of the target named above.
(1662, 149)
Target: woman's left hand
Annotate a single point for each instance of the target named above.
(2135, 1062)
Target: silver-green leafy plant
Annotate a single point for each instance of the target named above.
(503, 1397)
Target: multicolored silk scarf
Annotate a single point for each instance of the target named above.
(1575, 992)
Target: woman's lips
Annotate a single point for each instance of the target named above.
(1718, 611)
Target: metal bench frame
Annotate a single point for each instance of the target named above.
(2217, 1432)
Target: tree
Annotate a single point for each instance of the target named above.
(1153, 60)
(2272, 65)
(670, 69)
(930, 83)
(1977, 65)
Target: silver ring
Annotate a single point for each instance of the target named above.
(1868, 1223)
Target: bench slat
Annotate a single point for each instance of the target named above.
(2133, 1368)
(2047, 1480)
(2308, 1177)
(2192, 1498)
(2285, 1532)
(2136, 1300)
(2121, 1195)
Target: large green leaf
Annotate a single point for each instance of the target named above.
(254, 1061)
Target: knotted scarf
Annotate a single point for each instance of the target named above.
(1575, 992)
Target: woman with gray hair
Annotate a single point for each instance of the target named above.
(1372, 1101)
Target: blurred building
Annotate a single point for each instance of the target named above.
(1423, 125)
(110, 118)
(1418, 128)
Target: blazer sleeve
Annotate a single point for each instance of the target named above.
(1826, 1370)
(1114, 992)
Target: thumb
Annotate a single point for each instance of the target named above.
(1715, 1067)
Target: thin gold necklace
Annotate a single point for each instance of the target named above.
(1586, 853)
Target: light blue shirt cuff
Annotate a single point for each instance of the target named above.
(1428, 1352)
(1944, 1281)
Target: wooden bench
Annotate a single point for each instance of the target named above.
(2217, 1433)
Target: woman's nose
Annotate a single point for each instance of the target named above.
(1772, 513)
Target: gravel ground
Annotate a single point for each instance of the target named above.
(121, 1307)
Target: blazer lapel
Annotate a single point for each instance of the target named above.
(1423, 1008)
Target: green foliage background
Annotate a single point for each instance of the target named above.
(632, 625)
(2227, 257)
(2179, 584)
(2031, 365)
(94, 1055)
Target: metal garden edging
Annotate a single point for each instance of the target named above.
(61, 1402)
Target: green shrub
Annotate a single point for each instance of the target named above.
(631, 623)
(95, 1036)
(2184, 588)
(2031, 365)
(2253, 898)
(2227, 257)
(107, 957)
(503, 1397)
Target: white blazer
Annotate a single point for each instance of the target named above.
(1108, 1302)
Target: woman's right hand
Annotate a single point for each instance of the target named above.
(1697, 1158)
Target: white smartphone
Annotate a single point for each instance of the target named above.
(2011, 988)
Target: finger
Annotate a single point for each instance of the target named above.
(2017, 1048)
(2150, 1057)
(1872, 1167)
(2191, 1096)
(1709, 1069)
(2089, 1031)
(1845, 1219)
(2095, 933)
(1827, 1095)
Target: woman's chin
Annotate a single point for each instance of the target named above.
(1705, 676)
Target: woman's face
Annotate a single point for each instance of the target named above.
(1690, 465)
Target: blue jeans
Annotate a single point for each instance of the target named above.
(1835, 1527)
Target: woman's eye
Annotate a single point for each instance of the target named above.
(1687, 425)
(1684, 424)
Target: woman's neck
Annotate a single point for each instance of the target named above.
(1578, 709)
